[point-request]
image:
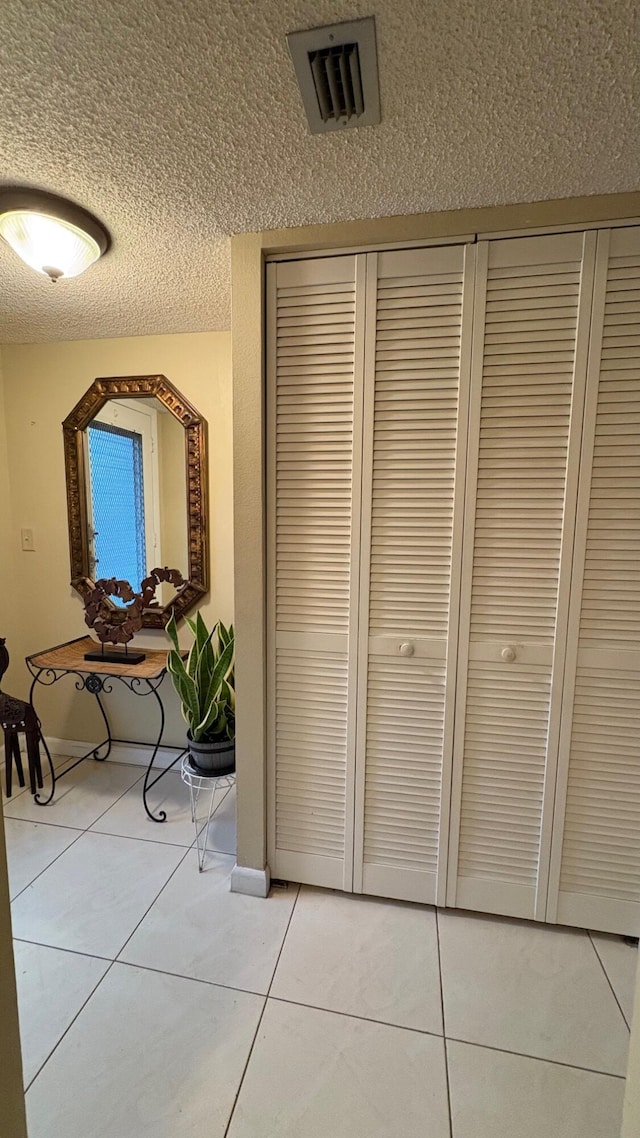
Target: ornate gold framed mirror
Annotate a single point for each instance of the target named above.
(136, 467)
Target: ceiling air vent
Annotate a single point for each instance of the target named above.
(337, 72)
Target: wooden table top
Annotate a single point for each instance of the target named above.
(70, 657)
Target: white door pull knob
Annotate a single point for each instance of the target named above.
(508, 654)
(407, 649)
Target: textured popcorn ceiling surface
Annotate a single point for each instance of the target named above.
(179, 122)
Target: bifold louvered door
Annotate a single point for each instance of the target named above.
(595, 878)
(454, 599)
(417, 356)
(316, 329)
(532, 312)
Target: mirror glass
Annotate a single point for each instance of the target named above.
(136, 492)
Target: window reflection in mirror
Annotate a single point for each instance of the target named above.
(136, 492)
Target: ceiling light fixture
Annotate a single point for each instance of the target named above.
(51, 235)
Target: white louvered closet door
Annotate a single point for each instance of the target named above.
(532, 312)
(417, 356)
(595, 878)
(316, 328)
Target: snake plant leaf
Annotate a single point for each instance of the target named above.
(228, 694)
(201, 660)
(209, 720)
(206, 663)
(172, 631)
(222, 666)
(185, 688)
(204, 682)
(202, 636)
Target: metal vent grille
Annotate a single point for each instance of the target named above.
(337, 72)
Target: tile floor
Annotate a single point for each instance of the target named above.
(154, 1003)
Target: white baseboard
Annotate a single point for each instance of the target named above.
(253, 882)
(120, 752)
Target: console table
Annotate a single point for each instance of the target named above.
(96, 677)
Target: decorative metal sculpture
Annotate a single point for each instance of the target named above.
(117, 625)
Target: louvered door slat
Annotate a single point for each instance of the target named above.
(314, 320)
(596, 871)
(532, 307)
(416, 375)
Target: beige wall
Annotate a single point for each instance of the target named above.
(7, 577)
(42, 382)
(12, 1118)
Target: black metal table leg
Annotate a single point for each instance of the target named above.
(36, 798)
(96, 685)
(162, 814)
(91, 683)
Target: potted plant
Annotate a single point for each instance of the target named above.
(204, 683)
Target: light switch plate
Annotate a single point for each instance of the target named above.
(27, 540)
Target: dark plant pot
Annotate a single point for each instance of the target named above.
(213, 756)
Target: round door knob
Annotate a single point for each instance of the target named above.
(508, 654)
(407, 649)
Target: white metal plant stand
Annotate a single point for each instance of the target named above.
(196, 783)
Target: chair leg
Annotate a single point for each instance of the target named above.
(8, 763)
(33, 755)
(14, 747)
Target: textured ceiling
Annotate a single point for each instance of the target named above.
(178, 122)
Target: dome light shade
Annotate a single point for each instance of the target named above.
(51, 235)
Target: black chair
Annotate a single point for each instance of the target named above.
(16, 718)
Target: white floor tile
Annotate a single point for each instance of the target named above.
(620, 961)
(31, 847)
(91, 898)
(150, 1056)
(314, 1074)
(370, 958)
(539, 991)
(81, 796)
(222, 831)
(129, 818)
(198, 928)
(52, 987)
(495, 1095)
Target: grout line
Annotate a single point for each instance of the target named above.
(57, 948)
(352, 1015)
(137, 838)
(286, 933)
(69, 1026)
(135, 783)
(147, 911)
(44, 822)
(19, 790)
(444, 1026)
(536, 1058)
(244, 1069)
(264, 1008)
(607, 979)
(86, 829)
(111, 961)
(192, 979)
(202, 826)
(80, 834)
